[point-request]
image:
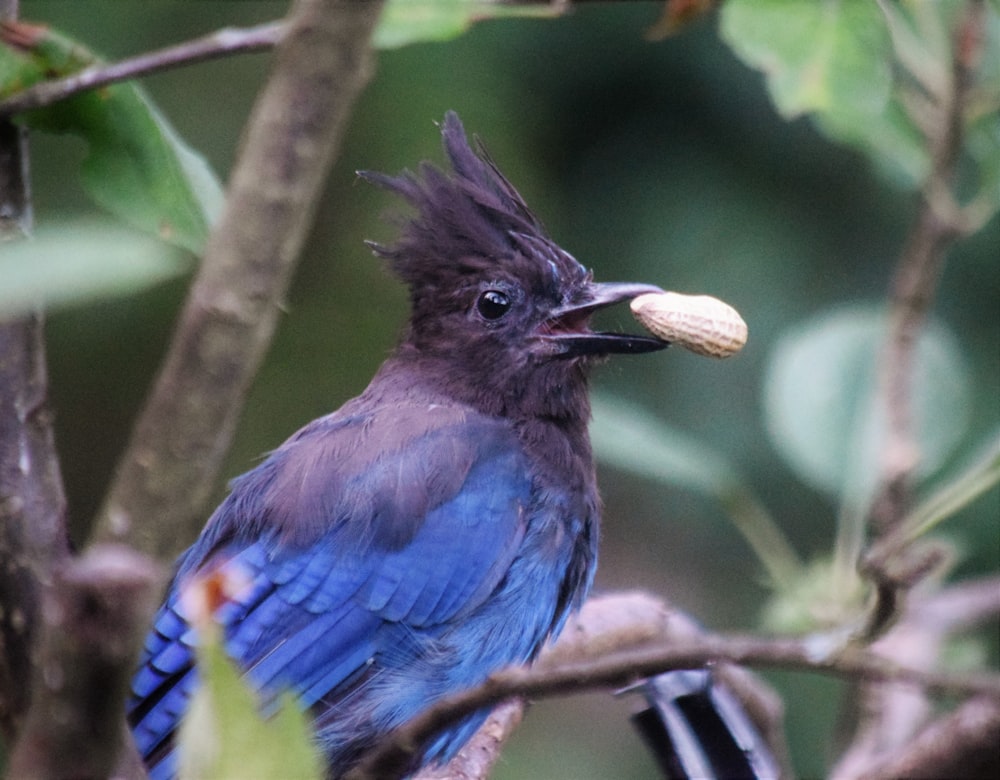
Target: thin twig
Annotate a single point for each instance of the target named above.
(157, 498)
(896, 562)
(622, 669)
(221, 43)
(93, 622)
(938, 224)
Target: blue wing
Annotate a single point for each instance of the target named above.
(364, 539)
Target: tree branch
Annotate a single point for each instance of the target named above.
(94, 619)
(219, 44)
(32, 504)
(479, 755)
(177, 446)
(962, 743)
(938, 223)
(890, 714)
(894, 562)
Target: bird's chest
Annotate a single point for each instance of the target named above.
(561, 521)
(565, 511)
(550, 576)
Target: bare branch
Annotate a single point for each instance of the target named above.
(893, 565)
(620, 658)
(937, 225)
(32, 504)
(94, 618)
(230, 40)
(477, 757)
(177, 446)
(960, 744)
(32, 509)
(890, 714)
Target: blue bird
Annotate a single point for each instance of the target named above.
(439, 526)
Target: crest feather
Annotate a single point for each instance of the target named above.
(468, 220)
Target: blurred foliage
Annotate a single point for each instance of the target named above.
(819, 399)
(416, 21)
(136, 167)
(82, 261)
(633, 439)
(956, 491)
(865, 71)
(651, 162)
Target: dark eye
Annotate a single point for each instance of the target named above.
(493, 304)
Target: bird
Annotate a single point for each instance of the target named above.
(441, 525)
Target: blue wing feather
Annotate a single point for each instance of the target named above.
(423, 520)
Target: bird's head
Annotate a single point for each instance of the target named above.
(499, 305)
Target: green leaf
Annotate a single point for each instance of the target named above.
(631, 439)
(983, 146)
(819, 398)
(78, 262)
(922, 42)
(835, 59)
(818, 55)
(895, 146)
(223, 736)
(832, 59)
(404, 22)
(137, 167)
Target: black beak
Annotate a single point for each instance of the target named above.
(568, 328)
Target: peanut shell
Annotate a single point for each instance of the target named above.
(699, 323)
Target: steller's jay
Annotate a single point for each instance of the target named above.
(437, 527)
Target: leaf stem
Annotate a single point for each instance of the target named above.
(764, 537)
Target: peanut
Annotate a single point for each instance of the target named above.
(699, 323)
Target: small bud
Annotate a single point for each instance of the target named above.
(699, 323)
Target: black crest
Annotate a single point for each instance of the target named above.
(468, 221)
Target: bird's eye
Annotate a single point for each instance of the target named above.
(493, 304)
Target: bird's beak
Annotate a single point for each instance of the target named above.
(568, 328)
